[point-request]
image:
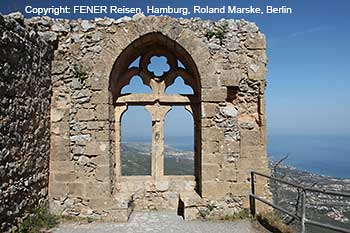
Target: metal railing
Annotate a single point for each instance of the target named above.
(302, 218)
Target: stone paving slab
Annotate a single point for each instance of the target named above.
(157, 222)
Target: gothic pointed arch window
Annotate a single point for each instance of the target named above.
(168, 71)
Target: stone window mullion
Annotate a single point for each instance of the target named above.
(158, 114)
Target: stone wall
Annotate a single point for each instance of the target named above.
(25, 92)
(229, 57)
(226, 59)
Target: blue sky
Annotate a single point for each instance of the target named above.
(308, 71)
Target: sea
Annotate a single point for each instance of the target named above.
(321, 154)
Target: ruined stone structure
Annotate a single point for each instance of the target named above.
(224, 63)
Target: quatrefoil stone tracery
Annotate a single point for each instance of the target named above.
(158, 80)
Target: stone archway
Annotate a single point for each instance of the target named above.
(226, 61)
(164, 189)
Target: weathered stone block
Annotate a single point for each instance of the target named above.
(60, 128)
(96, 125)
(188, 205)
(229, 147)
(215, 189)
(191, 213)
(97, 190)
(58, 189)
(58, 115)
(209, 78)
(85, 114)
(100, 203)
(190, 199)
(76, 189)
(207, 122)
(257, 71)
(228, 174)
(64, 177)
(210, 171)
(95, 148)
(99, 83)
(102, 135)
(213, 158)
(80, 138)
(253, 152)
(186, 38)
(212, 134)
(251, 138)
(61, 166)
(199, 55)
(215, 94)
(162, 186)
(240, 189)
(102, 172)
(210, 147)
(230, 78)
(100, 97)
(102, 112)
(209, 109)
(245, 164)
(60, 150)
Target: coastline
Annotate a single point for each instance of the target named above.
(320, 207)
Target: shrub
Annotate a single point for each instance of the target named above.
(243, 214)
(219, 33)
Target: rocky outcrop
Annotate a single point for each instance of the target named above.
(25, 92)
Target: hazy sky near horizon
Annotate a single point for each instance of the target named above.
(308, 71)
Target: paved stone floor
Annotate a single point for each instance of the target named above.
(157, 222)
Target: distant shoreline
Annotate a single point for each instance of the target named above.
(326, 155)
